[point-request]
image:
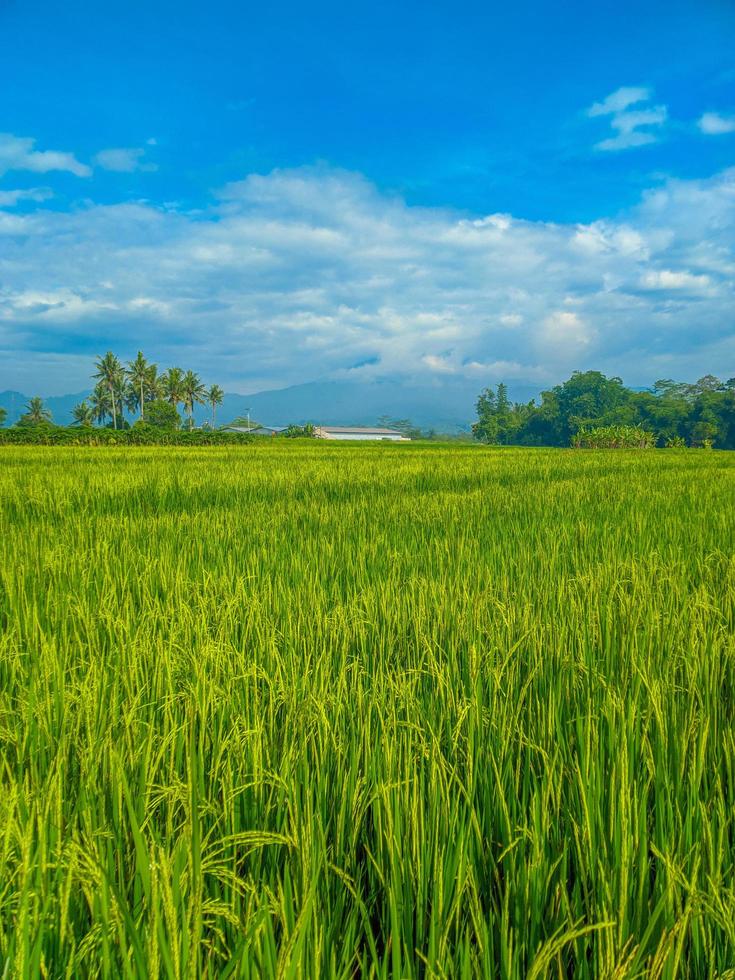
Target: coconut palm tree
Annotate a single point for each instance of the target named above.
(83, 414)
(214, 398)
(36, 412)
(195, 393)
(137, 373)
(100, 403)
(110, 374)
(131, 398)
(153, 383)
(172, 386)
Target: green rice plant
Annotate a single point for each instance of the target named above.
(305, 710)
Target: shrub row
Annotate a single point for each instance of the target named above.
(137, 435)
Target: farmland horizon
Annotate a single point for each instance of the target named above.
(447, 405)
(367, 466)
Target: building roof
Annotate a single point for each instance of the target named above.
(360, 430)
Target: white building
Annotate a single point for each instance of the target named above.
(359, 433)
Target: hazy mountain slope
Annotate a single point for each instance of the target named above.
(446, 408)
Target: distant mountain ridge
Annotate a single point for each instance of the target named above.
(60, 406)
(449, 407)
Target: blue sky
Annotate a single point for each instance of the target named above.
(279, 193)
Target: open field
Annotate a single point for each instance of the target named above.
(298, 710)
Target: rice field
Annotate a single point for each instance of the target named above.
(300, 710)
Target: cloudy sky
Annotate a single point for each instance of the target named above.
(298, 191)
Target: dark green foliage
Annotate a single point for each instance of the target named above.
(140, 434)
(161, 414)
(499, 421)
(700, 414)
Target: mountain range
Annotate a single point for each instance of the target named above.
(449, 407)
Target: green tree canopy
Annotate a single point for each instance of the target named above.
(697, 414)
(163, 415)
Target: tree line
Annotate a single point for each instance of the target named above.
(588, 409)
(138, 387)
(135, 387)
(591, 409)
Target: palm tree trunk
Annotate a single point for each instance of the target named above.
(141, 399)
(114, 413)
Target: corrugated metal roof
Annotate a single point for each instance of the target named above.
(360, 430)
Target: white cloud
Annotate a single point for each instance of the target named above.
(511, 320)
(619, 100)
(504, 371)
(57, 306)
(314, 273)
(18, 153)
(123, 159)
(667, 279)
(438, 364)
(9, 199)
(715, 124)
(564, 332)
(633, 127)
